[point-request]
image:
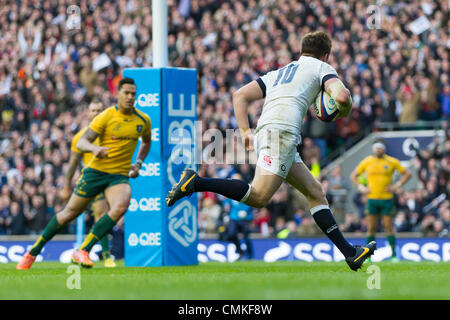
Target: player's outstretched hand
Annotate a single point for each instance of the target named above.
(363, 189)
(134, 171)
(247, 139)
(65, 194)
(395, 188)
(101, 152)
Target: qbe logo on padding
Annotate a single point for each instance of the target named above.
(145, 204)
(150, 170)
(183, 223)
(145, 239)
(148, 100)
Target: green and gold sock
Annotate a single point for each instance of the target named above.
(101, 228)
(49, 232)
(105, 247)
(391, 239)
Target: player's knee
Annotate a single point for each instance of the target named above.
(119, 209)
(317, 194)
(68, 214)
(260, 201)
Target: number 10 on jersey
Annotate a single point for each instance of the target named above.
(288, 72)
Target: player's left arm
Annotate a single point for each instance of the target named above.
(143, 151)
(406, 175)
(337, 90)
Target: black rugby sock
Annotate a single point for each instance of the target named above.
(230, 188)
(324, 218)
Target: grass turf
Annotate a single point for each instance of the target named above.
(240, 280)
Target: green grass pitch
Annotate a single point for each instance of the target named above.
(254, 280)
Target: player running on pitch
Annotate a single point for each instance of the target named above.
(288, 94)
(380, 169)
(118, 129)
(99, 205)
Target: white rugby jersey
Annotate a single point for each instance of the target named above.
(291, 90)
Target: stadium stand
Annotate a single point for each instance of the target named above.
(48, 75)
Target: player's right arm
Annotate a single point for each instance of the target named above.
(85, 144)
(96, 127)
(241, 100)
(74, 162)
(337, 90)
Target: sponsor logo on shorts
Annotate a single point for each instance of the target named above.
(267, 160)
(283, 168)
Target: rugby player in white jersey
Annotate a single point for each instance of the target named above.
(288, 93)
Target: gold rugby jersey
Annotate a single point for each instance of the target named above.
(120, 133)
(379, 174)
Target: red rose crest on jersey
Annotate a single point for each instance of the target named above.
(267, 160)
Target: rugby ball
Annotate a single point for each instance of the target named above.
(325, 107)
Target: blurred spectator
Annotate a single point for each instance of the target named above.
(401, 223)
(261, 222)
(309, 152)
(88, 78)
(336, 179)
(351, 223)
(360, 201)
(337, 188)
(409, 104)
(16, 221)
(208, 216)
(308, 227)
(4, 213)
(445, 102)
(35, 214)
(289, 231)
(240, 217)
(348, 128)
(426, 227)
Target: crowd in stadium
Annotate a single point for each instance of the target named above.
(51, 66)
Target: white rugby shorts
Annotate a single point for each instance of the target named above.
(276, 149)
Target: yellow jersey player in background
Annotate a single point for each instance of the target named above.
(118, 129)
(99, 206)
(379, 169)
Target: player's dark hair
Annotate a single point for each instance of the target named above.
(126, 81)
(316, 44)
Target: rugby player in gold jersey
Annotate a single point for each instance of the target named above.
(99, 206)
(118, 129)
(380, 169)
